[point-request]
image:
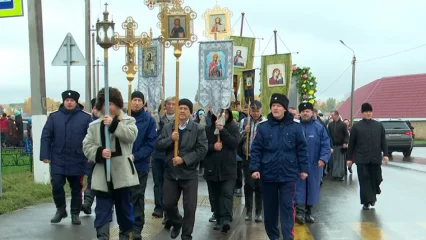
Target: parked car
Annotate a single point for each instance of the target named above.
(399, 136)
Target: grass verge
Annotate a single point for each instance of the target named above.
(420, 142)
(19, 191)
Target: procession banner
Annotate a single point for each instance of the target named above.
(149, 75)
(243, 55)
(218, 23)
(248, 85)
(275, 77)
(215, 75)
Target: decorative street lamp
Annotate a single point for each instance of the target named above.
(105, 38)
(353, 82)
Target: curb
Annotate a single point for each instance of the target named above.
(391, 164)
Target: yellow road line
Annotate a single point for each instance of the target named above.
(302, 232)
(369, 231)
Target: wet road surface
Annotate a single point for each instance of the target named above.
(400, 214)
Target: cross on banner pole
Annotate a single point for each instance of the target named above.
(130, 41)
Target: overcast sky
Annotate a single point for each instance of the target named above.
(311, 27)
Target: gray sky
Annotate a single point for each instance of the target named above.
(311, 27)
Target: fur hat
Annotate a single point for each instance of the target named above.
(114, 97)
(280, 99)
(304, 106)
(188, 103)
(70, 94)
(366, 107)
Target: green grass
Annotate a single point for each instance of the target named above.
(419, 142)
(19, 191)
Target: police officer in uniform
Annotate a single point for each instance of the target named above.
(61, 146)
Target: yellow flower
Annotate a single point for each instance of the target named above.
(312, 101)
(311, 92)
(304, 81)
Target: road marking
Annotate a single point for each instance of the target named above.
(369, 231)
(302, 232)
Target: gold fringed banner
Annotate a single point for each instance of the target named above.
(275, 77)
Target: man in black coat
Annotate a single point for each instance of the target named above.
(366, 145)
(220, 167)
(340, 137)
(181, 174)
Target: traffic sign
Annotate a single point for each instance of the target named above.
(75, 55)
(11, 8)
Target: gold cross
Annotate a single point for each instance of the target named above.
(131, 41)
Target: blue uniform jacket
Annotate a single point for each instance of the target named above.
(319, 149)
(61, 141)
(279, 150)
(145, 141)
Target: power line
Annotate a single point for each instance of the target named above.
(341, 75)
(392, 54)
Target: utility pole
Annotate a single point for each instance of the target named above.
(353, 82)
(38, 85)
(88, 81)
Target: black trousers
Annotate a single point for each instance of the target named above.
(370, 178)
(223, 195)
(251, 186)
(138, 200)
(158, 177)
(239, 181)
(58, 192)
(172, 189)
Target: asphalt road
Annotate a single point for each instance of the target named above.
(399, 214)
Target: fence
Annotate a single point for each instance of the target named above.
(16, 157)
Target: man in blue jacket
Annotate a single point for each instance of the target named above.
(279, 158)
(308, 191)
(142, 149)
(61, 146)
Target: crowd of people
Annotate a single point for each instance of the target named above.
(277, 160)
(12, 130)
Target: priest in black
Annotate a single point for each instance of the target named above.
(368, 149)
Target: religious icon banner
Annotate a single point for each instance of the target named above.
(150, 73)
(275, 77)
(248, 85)
(215, 74)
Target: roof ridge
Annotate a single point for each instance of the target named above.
(371, 93)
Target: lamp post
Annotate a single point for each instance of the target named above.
(105, 39)
(353, 82)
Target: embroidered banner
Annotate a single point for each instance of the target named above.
(275, 77)
(215, 75)
(248, 85)
(149, 75)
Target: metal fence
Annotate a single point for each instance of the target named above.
(14, 157)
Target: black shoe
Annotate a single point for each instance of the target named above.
(258, 218)
(59, 215)
(366, 206)
(75, 219)
(300, 218)
(137, 233)
(175, 231)
(213, 218)
(372, 204)
(238, 192)
(157, 214)
(226, 227)
(167, 223)
(217, 226)
(249, 216)
(309, 218)
(124, 236)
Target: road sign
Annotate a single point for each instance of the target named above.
(69, 55)
(76, 57)
(11, 8)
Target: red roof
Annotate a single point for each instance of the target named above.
(391, 97)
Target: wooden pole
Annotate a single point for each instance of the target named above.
(248, 134)
(177, 53)
(163, 69)
(276, 46)
(242, 24)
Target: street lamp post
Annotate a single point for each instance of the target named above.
(105, 38)
(353, 82)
